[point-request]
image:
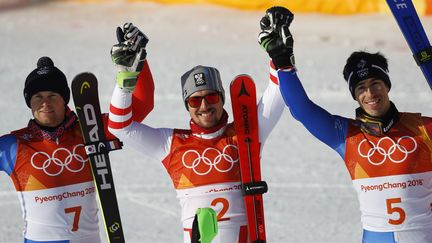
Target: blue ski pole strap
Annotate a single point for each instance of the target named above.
(103, 147)
(423, 56)
(253, 188)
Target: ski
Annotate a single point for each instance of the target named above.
(244, 106)
(411, 27)
(85, 96)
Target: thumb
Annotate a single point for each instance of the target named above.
(286, 36)
(265, 23)
(120, 35)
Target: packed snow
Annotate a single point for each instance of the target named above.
(310, 196)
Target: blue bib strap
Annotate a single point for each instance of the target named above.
(55, 241)
(378, 237)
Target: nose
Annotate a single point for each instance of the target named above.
(204, 104)
(371, 90)
(46, 101)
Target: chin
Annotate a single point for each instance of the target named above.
(208, 124)
(375, 113)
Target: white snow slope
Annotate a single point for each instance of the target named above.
(310, 196)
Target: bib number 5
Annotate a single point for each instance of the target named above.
(393, 209)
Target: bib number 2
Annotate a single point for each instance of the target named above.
(225, 207)
(392, 208)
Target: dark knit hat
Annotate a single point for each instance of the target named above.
(201, 78)
(46, 77)
(363, 65)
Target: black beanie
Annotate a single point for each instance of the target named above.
(363, 65)
(46, 77)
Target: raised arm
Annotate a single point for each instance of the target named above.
(143, 94)
(278, 42)
(270, 106)
(153, 142)
(134, 75)
(133, 96)
(327, 128)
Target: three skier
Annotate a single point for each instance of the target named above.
(387, 153)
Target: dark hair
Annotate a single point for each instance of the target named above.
(362, 65)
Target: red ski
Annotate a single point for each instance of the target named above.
(244, 106)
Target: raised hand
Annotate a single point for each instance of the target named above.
(275, 37)
(129, 55)
(276, 18)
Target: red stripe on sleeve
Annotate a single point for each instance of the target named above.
(272, 65)
(273, 78)
(119, 125)
(119, 111)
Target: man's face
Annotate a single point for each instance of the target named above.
(209, 111)
(372, 96)
(48, 108)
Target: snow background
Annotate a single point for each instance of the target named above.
(310, 196)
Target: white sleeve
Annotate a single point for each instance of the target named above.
(270, 107)
(154, 142)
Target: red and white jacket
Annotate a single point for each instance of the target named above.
(52, 175)
(203, 166)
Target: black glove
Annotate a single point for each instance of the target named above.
(275, 37)
(129, 54)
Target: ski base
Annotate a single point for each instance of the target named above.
(243, 99)
(85, 95)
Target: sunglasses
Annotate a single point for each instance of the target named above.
(195, 101)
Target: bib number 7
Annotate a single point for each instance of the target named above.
(76, 211)
(392, 208)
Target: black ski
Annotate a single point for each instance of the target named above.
(86, 99)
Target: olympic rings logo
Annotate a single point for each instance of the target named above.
(54, 165)
(396, 152)
(210, 158)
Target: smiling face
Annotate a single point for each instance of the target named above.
(206, 115)
(48, 108)
(372, 96)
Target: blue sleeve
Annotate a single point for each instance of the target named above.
(8, 150)
(328, 128)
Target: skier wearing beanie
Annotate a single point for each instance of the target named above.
(47, 162)
(201, 161)
(388, 153)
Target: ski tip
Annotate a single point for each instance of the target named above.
(85, 75)
(82, 82)
(241, 77)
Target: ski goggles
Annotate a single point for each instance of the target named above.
(211, 99)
